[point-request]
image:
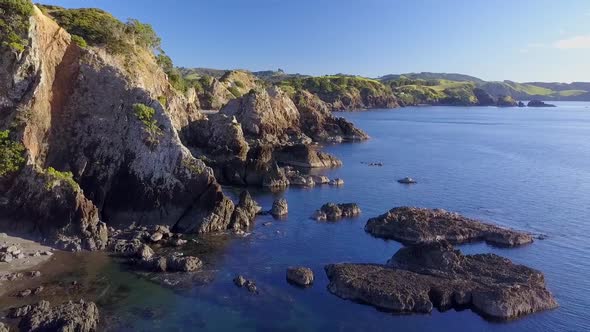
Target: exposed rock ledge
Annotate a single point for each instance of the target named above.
(418, 279)
(411, 225)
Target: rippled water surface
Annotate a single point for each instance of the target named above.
(524, 168)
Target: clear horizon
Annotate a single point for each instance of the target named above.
(526, 41)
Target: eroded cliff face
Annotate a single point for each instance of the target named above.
(75, 110)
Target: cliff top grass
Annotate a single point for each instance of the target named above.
(14, 23)
(11, 154)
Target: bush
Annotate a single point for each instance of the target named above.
(62, 177)
(14, 23)
(145, 114)
(143, 34)
(234, 91)
(99, 28)
(11, 154)
(95, 26)
(80, 41)
(163, 101)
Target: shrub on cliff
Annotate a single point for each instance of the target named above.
(145, 114)
(14, 23)
(99, 28)
(55, 177)
(79, 41)
(11, 154)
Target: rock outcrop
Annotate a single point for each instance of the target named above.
(265, 114)
(233, 84)
(318, 123)
(301, 276)
(331, 211)
(254, 136)
(483, 97)
(418, 279)
(245, 212)
(280, 208)
(411, 225)
(99, 117)
(506, 101)
(71, 316)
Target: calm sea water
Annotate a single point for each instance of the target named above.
(524, 168)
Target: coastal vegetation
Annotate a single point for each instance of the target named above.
(95, 27)
(145, 114)
(332, 87)
(11, 154)
(55, 177)
(14, 23)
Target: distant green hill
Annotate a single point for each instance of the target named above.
(433, 76)
(196, 73)
(412, 88)
(345, 92)
(277, 76)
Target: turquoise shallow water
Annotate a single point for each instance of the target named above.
(524, 168)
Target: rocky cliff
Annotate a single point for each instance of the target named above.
(246, 141)
(99, 132)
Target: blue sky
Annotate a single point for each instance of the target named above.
(521, 40)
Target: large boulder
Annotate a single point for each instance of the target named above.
(280, 208)
(71, 317)
(411, 225)
(245, 212)
(301, 276)
(418, 279)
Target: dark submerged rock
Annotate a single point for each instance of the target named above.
(419, 278)
(407, 180)
(411, 225)
(241, 282)
(539, 103)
